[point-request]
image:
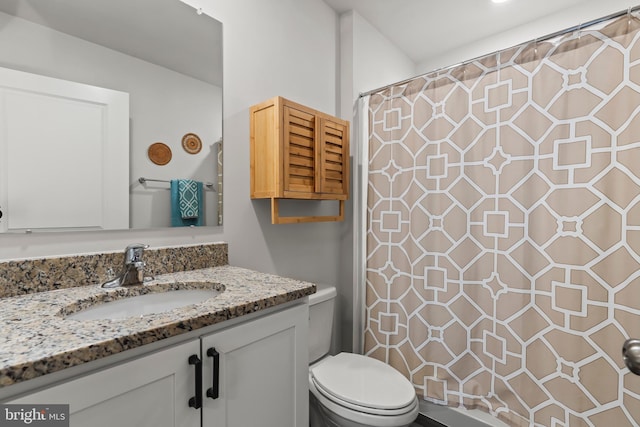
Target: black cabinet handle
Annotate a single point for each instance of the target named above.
(196, 401)
(214, 391)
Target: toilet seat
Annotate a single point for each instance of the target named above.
(331, 401)
(363, 384)
(364, 419)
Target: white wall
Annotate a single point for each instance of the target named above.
(288, 48)
(271, 47)
(367, 60)
(274, 47)
(164, 105)
(582, 13)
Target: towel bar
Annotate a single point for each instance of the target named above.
(142, 180)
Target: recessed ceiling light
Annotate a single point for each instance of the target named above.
(499, 1)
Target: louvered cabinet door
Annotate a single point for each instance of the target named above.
(299, 151)
(332, 163)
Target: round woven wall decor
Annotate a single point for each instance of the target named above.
(159, 153)
(191, 143)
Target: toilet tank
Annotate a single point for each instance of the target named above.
(321, 306)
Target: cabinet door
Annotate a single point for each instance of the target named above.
(299, 150)
(150, 391)
(333, 159)
(263, 373)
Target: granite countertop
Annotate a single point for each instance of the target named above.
(37, 339)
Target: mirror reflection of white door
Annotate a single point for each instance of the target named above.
(64, 155)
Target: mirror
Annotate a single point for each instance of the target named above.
(162, 54)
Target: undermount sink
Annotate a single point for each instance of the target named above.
(156, 301)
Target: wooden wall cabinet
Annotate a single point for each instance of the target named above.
(298, 153)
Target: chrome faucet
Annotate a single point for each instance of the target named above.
(133, 268)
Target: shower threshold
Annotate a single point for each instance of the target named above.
(456, 417)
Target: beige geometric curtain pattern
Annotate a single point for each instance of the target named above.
(503, 241)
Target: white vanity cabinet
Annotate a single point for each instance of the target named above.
(263, 373)
(261, 377)
(149, 391)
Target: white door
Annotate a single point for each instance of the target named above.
(43, 120)
(152, 391)
(263, 373)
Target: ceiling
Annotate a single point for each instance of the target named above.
(424, 29)
(164, 32)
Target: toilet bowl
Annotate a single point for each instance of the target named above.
(351, 390)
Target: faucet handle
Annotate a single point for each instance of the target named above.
(133, 253)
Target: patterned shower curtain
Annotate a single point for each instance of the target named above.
(503, 230)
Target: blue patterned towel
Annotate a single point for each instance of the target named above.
(188, 198)
(177, 218)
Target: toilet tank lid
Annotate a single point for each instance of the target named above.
(323, 293)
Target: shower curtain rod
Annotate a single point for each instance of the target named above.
(536, 40)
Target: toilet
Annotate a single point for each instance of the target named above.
(351, 390)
